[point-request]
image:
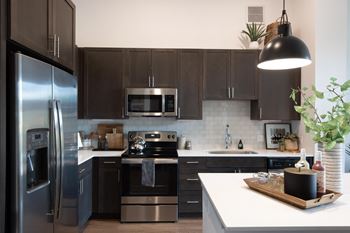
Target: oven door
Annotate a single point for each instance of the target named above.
(165, 178)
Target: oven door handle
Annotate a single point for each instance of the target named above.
(156, 161)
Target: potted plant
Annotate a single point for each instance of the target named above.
(328, 129)
(291, 142)
(255, 32)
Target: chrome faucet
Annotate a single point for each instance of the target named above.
(228, 139)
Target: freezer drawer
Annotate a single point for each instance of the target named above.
(149, 213)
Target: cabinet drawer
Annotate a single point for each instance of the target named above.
(85, 168)
(190, 182)
(192, 163)
(240, 162)
(190, 202)
(109, 162)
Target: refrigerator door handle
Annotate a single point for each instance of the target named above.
(60, 141)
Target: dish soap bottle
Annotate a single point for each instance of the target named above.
(319, 169)
(240, 145)
(302, 163)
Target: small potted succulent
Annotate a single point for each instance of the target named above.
(255, 32)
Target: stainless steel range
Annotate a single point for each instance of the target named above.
(149, 178)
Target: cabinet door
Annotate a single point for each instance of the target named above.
(164, 68)
(85, 199)
(244, 74)
(103, 83)
(29, 24)
(108, 187)
(190, 84)
(64, 29)
(216, 74)
(274, 90)
(138, 65)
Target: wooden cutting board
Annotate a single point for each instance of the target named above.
(103, 129)
(115, 141)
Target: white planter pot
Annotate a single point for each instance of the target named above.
(253, 45)
(333, 163)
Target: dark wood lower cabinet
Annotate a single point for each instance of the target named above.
(106, 191)
(85, 193)
(190, 189)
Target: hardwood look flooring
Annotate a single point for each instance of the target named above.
(114, 226)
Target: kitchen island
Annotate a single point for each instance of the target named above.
(230, 206)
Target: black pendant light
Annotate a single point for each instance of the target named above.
(285, 51)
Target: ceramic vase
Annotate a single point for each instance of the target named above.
(254, 45)
(333, 162)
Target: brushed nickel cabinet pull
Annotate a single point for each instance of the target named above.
(192, 179)
(260, 113)
(229, 93)
(179, 112)
(192, 202)
(232, 92)
(192, 162)
(149, 81)
(52, 44)
(82, 170)
(153, 81)
(109, 162)
(58, 47)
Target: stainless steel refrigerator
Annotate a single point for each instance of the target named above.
(45, 171)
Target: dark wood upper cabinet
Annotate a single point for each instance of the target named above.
(151, 68)
(273, 101)
(102, 81)
(190, 84)
(216, 74)
(164, 68)
(46, 27)
(64, 29)
(230, 75)
(138, 63)
(29, 24)
(244, 74)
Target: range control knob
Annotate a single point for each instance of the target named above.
(168, 136)
(173, 136)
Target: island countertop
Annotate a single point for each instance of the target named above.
(240, 209)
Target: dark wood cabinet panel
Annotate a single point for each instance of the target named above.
(164, 68)
(244, 74)
(103, 83)
(190, 84)
(64, 28)
(85, 193)
(274, 90)
(106, 188)
(138, 66)
(46, 27)
(29, 24)
(216, 74)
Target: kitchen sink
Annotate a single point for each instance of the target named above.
(229, 152)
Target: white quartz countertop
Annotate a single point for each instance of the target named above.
(85, 155)
(242, 209)
(260, 153)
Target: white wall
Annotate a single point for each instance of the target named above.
(166, 23)
(302, 16)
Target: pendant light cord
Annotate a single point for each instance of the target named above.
(284, 17)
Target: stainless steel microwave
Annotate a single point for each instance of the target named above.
(151, 102)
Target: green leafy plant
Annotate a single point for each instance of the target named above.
(255, 31)
(331, 127)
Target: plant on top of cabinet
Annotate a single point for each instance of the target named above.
(47, 27)
(255, 32)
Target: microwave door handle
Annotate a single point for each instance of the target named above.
(163, 104)
(60, 157)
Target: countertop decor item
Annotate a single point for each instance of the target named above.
(255, 32)
(285, 51)
(301, 183)
(291, 142)
(274, 134)
(328, 128)
(275, 188)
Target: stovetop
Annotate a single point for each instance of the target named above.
(151, 153)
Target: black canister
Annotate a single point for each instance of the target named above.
(301, 183)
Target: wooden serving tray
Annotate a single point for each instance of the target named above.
(275, 189)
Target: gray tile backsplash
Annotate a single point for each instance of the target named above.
(204, 134)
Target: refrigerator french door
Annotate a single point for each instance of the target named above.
(46, 170)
